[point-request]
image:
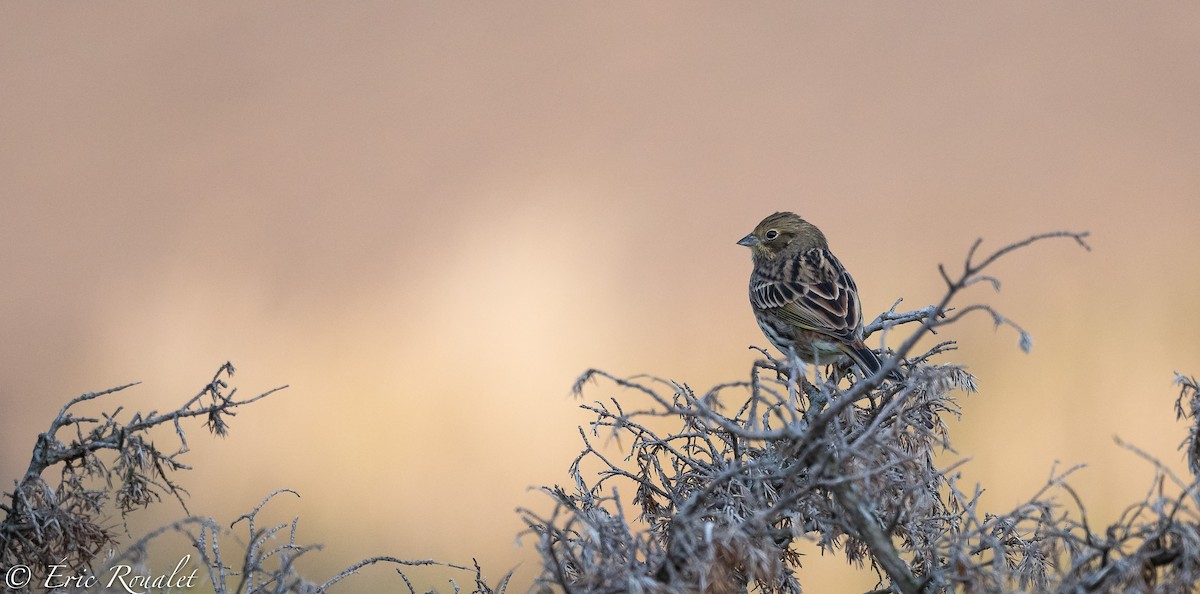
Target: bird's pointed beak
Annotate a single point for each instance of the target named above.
(748, 241)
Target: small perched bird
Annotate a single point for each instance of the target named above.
(802, 296)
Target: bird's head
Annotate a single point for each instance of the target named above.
(780, 233)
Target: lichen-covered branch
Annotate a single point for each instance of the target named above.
(101, 461)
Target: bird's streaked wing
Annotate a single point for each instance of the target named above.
(811, 290)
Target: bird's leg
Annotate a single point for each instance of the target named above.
(792, 369)
(798, 384)
(816, 397)
(837, 373)
(859, 376)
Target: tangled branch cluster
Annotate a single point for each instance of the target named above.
(110, 464)
(722, 493)
(267, 564)
(63, 525)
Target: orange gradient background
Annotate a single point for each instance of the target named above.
(428, 218)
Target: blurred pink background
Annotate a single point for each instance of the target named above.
(429, 218)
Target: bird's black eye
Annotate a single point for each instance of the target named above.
(772, 234)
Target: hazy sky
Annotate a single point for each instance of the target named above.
(429, 217)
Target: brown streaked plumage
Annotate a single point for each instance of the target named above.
(803, 298)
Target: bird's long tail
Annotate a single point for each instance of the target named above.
(868, 361)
